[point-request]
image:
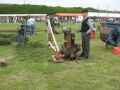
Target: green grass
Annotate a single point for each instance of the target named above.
(33, 68)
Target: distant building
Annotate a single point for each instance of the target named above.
(91, 14)
(69, 16)
(109, 15)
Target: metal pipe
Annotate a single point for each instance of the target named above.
(98, 13)
(25, 29)
(107, 11)
(49, 25)
(24, 1)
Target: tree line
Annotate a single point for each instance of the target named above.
(39, 9)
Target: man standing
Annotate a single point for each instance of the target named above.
(31, 23)
(15, 19)
(52, 23)
(86, 30)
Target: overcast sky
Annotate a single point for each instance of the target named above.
(112, 4)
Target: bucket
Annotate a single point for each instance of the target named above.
(116, 50)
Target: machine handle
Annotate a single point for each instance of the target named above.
(52, 45)
(109, 39)
(49, 25)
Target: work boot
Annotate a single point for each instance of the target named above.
(81, 55)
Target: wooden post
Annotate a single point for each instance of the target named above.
(98, 14)
(49, 25)
(2, 62)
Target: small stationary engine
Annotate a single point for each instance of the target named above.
(69, 49)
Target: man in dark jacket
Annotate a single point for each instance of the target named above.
(52, 23)
(86, 30)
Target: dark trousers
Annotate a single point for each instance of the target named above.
(85, 44)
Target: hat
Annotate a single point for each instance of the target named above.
(84, 10)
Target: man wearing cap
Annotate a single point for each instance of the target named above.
(86, 30)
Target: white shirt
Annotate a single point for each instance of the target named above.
(31, 21)
(90, 24)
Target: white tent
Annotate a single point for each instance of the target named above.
(6, 17)
(110, 15)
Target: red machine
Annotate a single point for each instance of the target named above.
(68, 50)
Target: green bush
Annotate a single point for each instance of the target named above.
(11, 36)
(5, 41)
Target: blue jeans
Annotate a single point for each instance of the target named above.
(32, 29)
(23, 38)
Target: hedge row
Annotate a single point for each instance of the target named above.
(7, 39)
(39, 9)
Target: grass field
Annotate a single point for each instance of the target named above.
(32, 68)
